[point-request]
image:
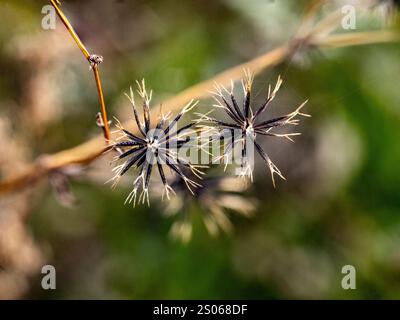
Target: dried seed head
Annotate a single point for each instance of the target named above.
(95, 59)
(217, 197)
(248, 125)
(394, 3)
(158, 146)
(388, 9)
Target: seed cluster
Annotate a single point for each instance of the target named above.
(160, 145)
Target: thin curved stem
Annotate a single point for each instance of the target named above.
(94, 66)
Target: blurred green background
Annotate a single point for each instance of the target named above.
(340, 204)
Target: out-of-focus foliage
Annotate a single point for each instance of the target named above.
(340, 204)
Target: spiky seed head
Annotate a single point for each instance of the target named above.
(158, 146)
(247, 122)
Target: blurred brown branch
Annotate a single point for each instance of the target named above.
(309, 37)
(357, 38)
